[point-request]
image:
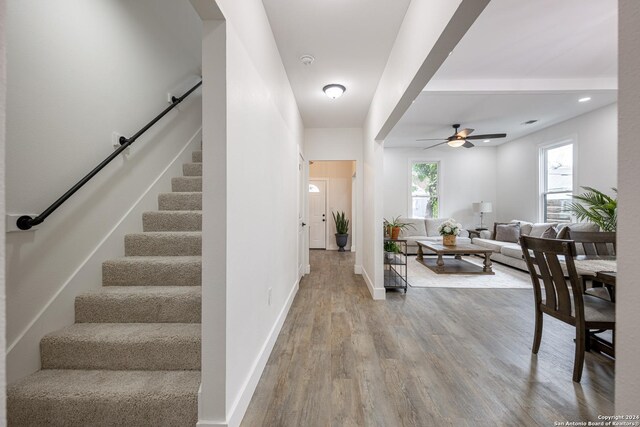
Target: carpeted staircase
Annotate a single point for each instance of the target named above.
(133, 356)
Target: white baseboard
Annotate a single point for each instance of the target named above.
(307, 270)
(23, 354)
(376, 293)
(240, 405)
(357, 269)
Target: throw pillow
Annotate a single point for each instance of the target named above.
(563, 233)
(525, 227)
(541, 227)
(508, 233)
(432, 224)
(550, 233)
(495, 227)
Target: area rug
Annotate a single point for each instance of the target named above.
(420, 276)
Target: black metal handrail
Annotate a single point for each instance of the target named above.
(25, 222)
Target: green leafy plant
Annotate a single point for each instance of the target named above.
(391, 247)
(395, 222)
(342, 223)
(596, 207)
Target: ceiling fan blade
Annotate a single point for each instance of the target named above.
(464, 132)
(431, 139)
(444, 142)
(488, 136)
(468, 144)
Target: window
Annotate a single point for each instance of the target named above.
(425, 178)
(557, 182)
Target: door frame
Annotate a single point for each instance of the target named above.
(303, 190)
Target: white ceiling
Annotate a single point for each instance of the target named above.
(432, 113)
(520, 60)
(351, 41)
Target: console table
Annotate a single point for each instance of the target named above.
(395, 266)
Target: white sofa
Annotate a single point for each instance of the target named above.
(425, 229)
(511, 253)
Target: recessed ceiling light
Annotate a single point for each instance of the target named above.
(585, 99)
(529, 122)
(334, 90)
(486, 140)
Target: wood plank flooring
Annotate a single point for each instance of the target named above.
(432, 357)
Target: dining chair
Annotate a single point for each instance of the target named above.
(594, 243)
(568, 304)
(601, 243)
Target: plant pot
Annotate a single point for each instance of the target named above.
(395, 232)
(389, 255)
(449, 240)
(341, 241)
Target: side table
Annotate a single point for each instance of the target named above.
(475, 232)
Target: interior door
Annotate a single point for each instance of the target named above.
(317, 214)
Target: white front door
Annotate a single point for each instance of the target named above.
(317, 214)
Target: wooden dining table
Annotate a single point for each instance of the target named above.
(601, 269)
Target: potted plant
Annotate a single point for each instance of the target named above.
(596, 207)
(342, 229)
(449, 230)
(391, 248)
(395, 226)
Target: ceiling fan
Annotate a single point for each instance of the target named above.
(461, 138)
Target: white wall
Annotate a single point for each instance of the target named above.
(3, 87)
(341, 144)
(76, 72)
(263, 133)
(338, 175)
(429, 31)
(595, 135)
(466, 176)
(628, 300)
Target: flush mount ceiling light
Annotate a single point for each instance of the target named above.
(585, 99)
(334, 90)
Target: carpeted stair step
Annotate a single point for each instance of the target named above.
(152, 271)
(165, 243)
(172, 221)
(120, 346)
(186, 183)
(192, 169)
(196, 156)
(191, 201)
(105, 398)
(140, 304)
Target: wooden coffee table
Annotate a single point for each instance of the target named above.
(455, 265)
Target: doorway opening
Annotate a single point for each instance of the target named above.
(331, 191)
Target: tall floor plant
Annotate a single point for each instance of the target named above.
(597, 207)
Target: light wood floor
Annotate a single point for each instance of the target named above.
(435, 357)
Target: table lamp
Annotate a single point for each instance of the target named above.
(482, 208)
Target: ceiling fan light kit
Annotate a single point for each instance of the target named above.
(456, 143)
(461, 138)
